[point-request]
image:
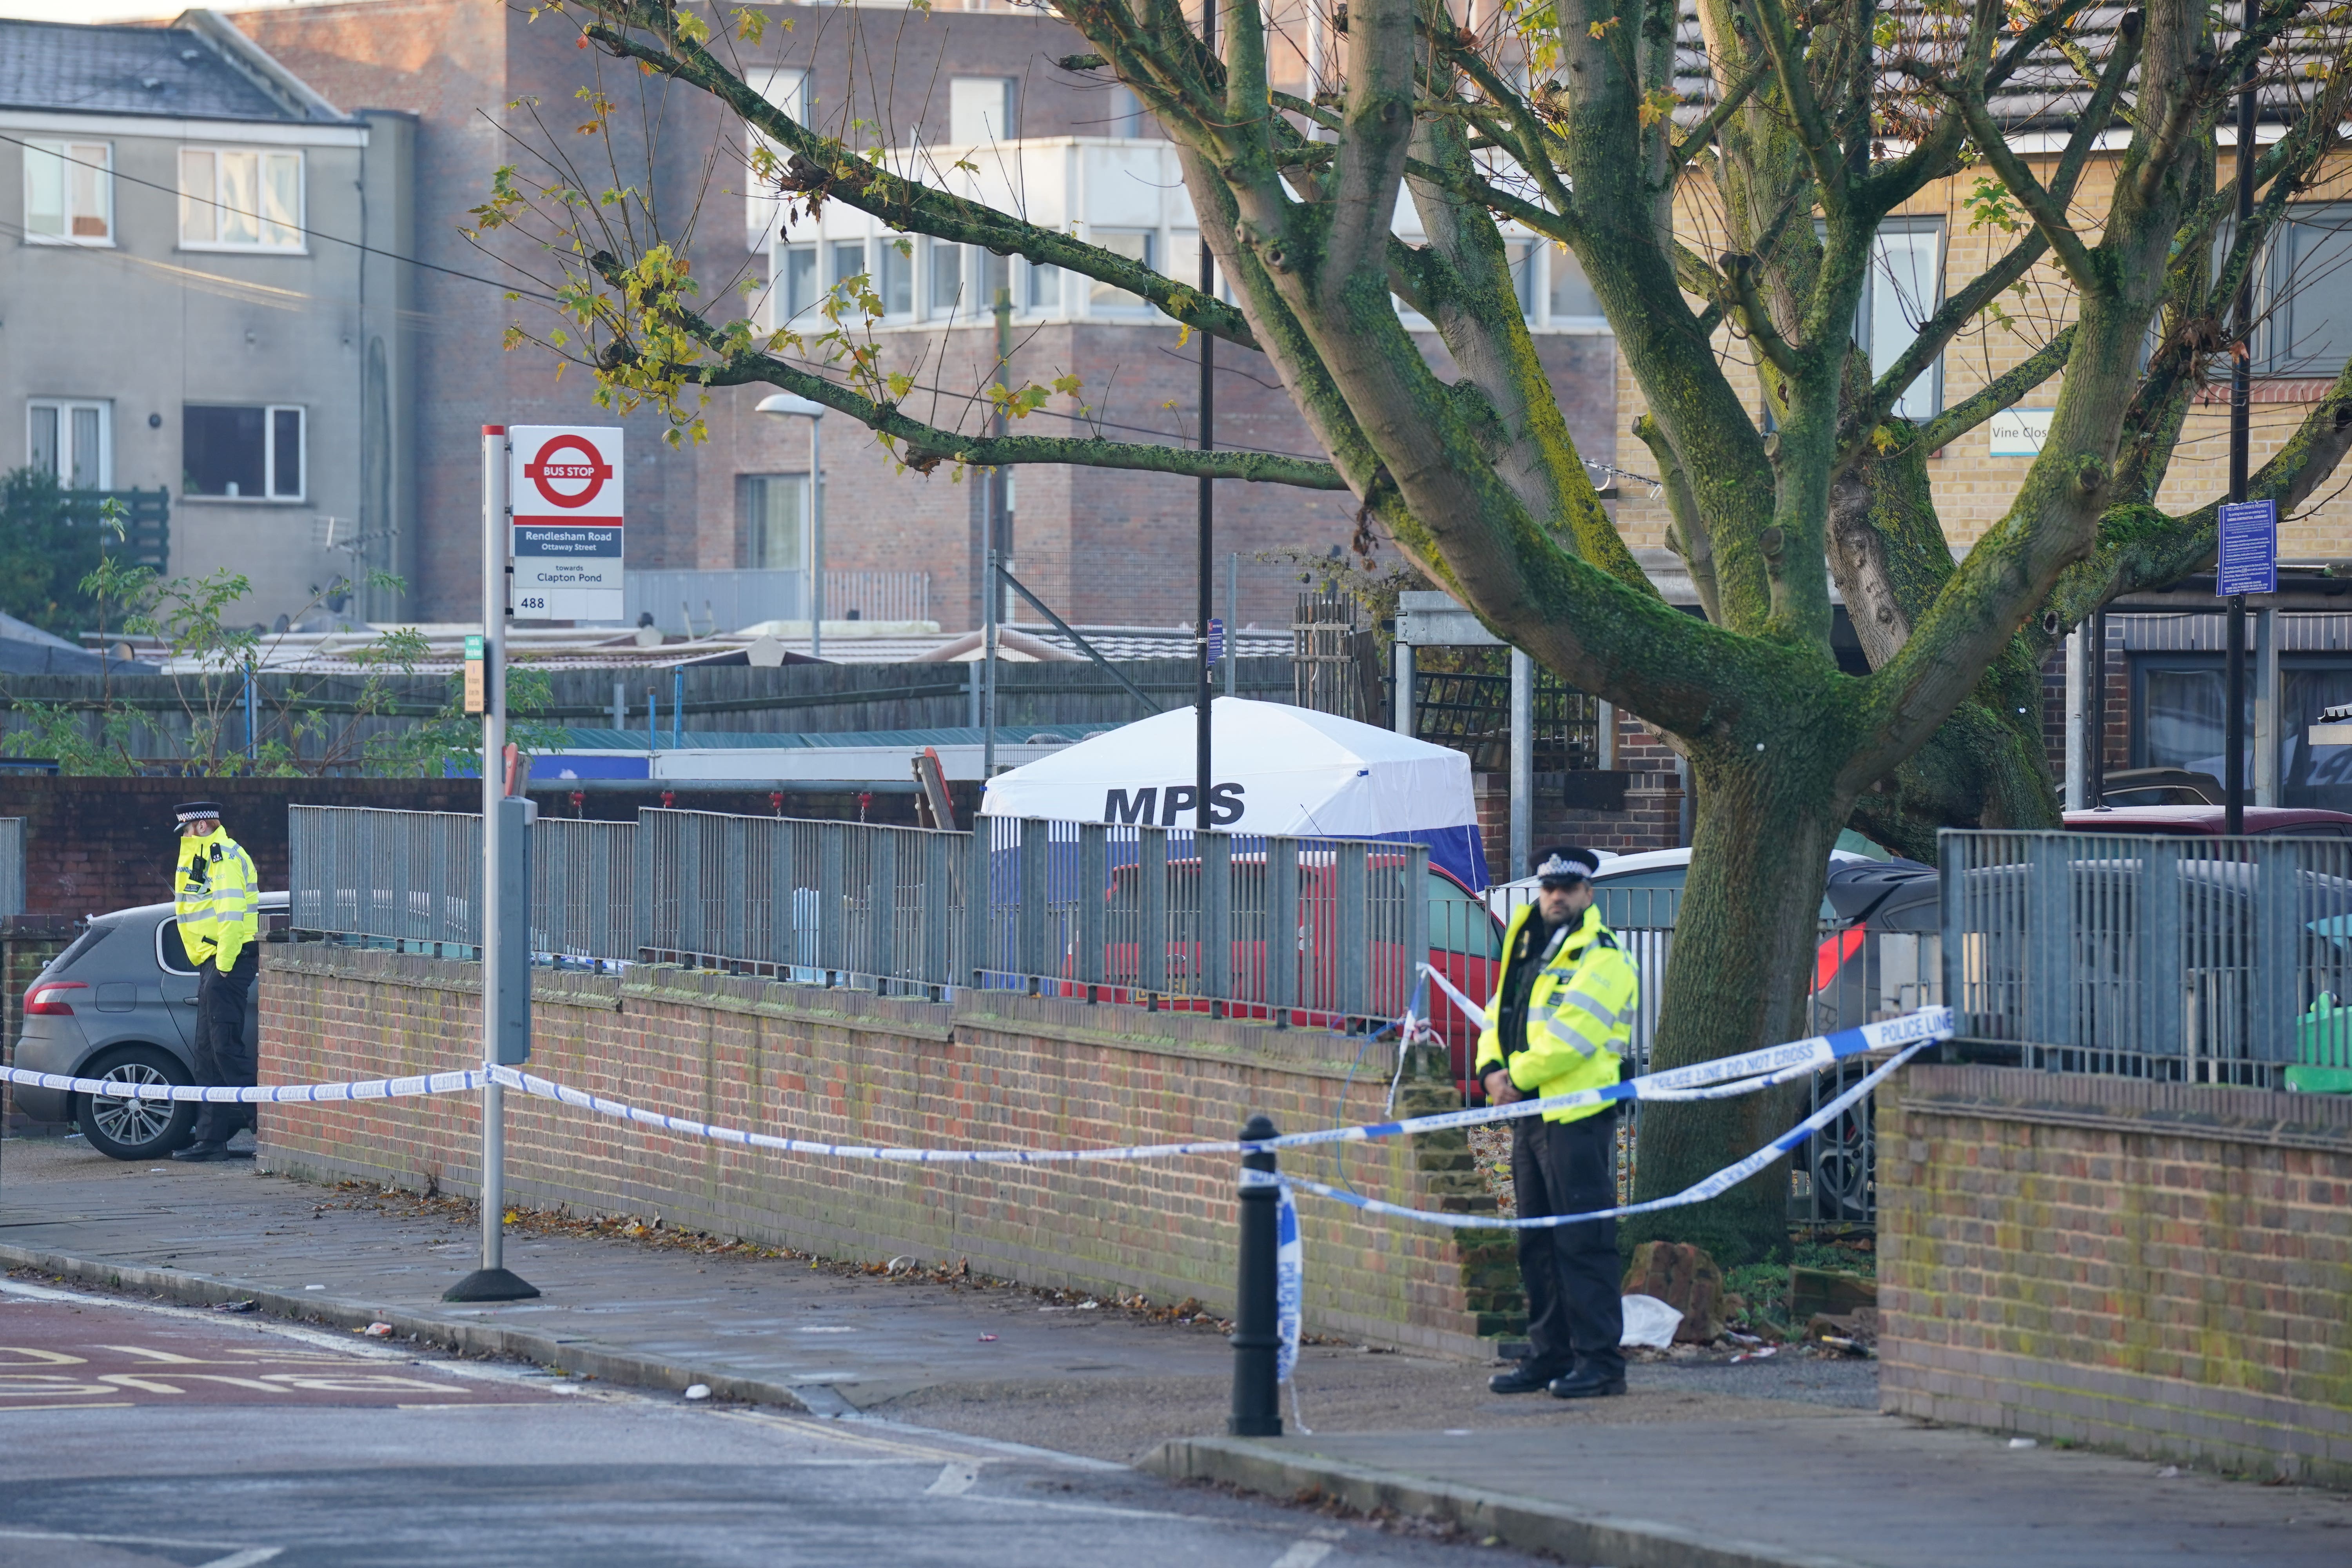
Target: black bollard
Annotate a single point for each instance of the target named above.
(1257, 1337)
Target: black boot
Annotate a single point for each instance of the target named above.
(1524, 1378)
(202, 1153)
(1588, 1382)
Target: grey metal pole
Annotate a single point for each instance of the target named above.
(1205, 694)
(1523, 761)
(816, 538)
(2267, 710)
(491, 1282)
(2077, 694)
(2233, 701)
(1232, 620)
(989, 605)
(494, 789)
(620, 705)
(1401, 706)
(1258, 1330)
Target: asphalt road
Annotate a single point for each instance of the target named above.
(139, 1435)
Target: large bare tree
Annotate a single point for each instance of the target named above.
(1726, 215)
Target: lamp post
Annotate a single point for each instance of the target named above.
(794, 403)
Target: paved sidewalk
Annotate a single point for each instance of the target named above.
(1779, 1462)
(1845, 1490)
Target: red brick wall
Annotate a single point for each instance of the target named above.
(93, 844)
(2161, 1268)
(992, 1071)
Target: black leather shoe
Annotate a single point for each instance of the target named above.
(1585, 1383)
(201, 1153)
(1524, 1378)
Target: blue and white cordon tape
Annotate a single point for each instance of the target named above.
(1742, 1074)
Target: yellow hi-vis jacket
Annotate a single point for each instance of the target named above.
(1579, 1014)
(218, 896)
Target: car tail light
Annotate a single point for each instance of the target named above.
(48, 998)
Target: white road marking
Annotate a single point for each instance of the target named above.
(954, 1480)
(251, 1557)
(1303, 1554)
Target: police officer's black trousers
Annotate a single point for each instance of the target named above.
(1570, 1271)
(222, 1056)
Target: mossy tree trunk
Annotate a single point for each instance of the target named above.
(1816, 126)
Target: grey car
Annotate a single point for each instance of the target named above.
(120, 1004)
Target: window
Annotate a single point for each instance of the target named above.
(1522, 256)
(763, 211)
(238, 199)
(253, 454)
(848, 262)
(2306, 288)
(1459, 922)
(2178, 704)
(979, 111)
(1125, 116)
(1906, 286)
(1135, 244)
(772, 520)
(1570, 296)
(894, 275)
(1041, 289)
(1185, 262)
(69, 192)
(947, 279)
(795, 292)
(72, 439)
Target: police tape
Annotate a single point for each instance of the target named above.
(1724, 1078)
(271, 1094)
(1698, 1192)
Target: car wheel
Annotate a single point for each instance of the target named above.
(136, 1128)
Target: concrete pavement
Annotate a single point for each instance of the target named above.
(1776, 1462)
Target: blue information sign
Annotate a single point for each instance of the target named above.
(2249, 554)
(1216, 640)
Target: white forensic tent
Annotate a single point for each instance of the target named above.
(1277, 770)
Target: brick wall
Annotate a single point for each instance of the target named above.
(845, 1067)
(92, 845)
(2161, 1268)
(1651, 817)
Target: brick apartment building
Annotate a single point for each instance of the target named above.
(1103, 547)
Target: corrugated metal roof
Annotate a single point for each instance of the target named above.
(165, 71)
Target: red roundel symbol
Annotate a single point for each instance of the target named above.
(589, 468)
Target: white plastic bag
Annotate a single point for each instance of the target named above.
(1649, 1321)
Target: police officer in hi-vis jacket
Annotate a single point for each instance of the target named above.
(1560, 1021)
(216, 894)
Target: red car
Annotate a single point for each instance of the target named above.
(2270, 821)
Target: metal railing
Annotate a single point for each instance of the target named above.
(584, 889)
(413, 878)
(2187, 959)
(1330, 930)
(11, 865)
(877, 596)
(826, 902)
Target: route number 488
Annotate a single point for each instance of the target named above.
(530, 601)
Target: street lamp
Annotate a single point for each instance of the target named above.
(794, 403)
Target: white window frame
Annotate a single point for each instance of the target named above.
(271, 493)
(964, 306)
(990, 99)
(1564, 322)
(64, 409)
(781, 311)
(192, 202)
(786, 87)
(63, 150)
(883, 258)
(1115, 307)
(1044, 278)
(1929, 388)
